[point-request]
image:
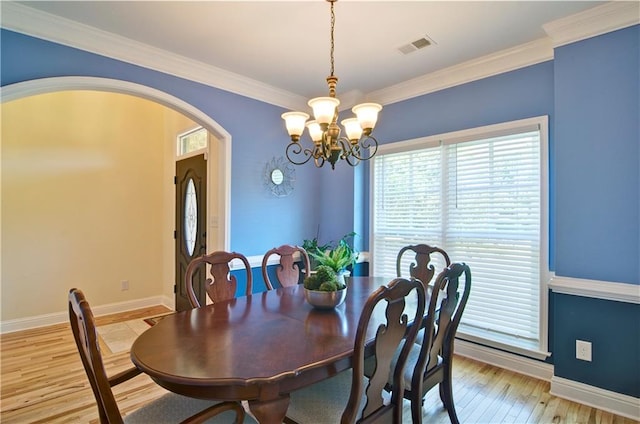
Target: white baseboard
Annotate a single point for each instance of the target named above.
(19, 324)
(169, 302)
(619, 404)
(616, 403)
(509, 361)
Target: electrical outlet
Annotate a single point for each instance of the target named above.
(124, 285)
(583, 350)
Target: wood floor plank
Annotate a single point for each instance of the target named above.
(42, 381)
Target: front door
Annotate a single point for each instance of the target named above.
(191, 221)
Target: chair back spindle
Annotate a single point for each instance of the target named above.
(422, 269)
(220, 284)
(288, 270)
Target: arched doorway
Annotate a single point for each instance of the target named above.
(220, 166)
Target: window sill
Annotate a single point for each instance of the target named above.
(518, 346)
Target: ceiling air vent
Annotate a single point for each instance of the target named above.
(418, 44)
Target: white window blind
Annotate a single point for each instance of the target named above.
(478, 196)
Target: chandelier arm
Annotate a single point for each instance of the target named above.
(368, 143)
(346, 146)
(296, 149)
(349, 151)
(352, 160)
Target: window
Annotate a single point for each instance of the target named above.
(192, 140)
(480, 195)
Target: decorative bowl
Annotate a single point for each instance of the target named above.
(325, 299)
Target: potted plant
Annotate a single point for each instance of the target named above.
(338, 257)
(323, 290)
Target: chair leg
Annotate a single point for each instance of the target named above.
(446, 395)
(416, 406)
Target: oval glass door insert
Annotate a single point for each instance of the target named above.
(190, 217)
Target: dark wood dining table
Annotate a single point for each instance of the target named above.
(257, 348)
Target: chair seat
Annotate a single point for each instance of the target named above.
(323, 402)
(172, 408)
(414, 355)
(412, 359)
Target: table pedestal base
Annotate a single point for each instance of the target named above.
(271, 411)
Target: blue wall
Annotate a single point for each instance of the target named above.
(597, 231)
(596, 148)
(615, 339)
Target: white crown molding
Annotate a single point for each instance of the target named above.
(9, 326)
(621, 292)
(592, 22)
(497, 63)
(617, 403)
(595, 21)
(29, 21)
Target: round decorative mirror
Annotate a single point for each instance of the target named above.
(279, 176)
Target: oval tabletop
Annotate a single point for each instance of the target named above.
(253, 347)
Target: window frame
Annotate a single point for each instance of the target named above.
(182, 135)
(539, 123)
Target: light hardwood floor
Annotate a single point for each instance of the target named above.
(42, 381)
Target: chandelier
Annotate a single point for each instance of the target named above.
(324, 131)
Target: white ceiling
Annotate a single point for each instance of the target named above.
(285, 44)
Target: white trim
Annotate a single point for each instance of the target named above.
(256, 260)
(599, 20)
(595, 21)
(621, 292)
(545, 177)
(19, 324)
(493, 64)
(505, 360)
(617, 403)
(169, 302)
(513, 346)
(23, 19)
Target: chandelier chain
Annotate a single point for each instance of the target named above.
(328, 145)
(333, 24)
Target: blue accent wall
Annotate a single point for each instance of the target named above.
(597, 91)
(615, 342)
(597, 198)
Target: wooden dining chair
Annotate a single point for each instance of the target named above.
(422, 268)
(221, 285)
(430, 361)
(349, 397)
(170, 408)
(288, 269)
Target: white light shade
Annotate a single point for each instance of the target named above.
(352, 128)
(314, 131)
(295, 122)
(324, 108)
(367, 114)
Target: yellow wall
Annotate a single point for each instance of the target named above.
(87, 195)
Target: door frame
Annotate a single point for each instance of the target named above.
(222, 167)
